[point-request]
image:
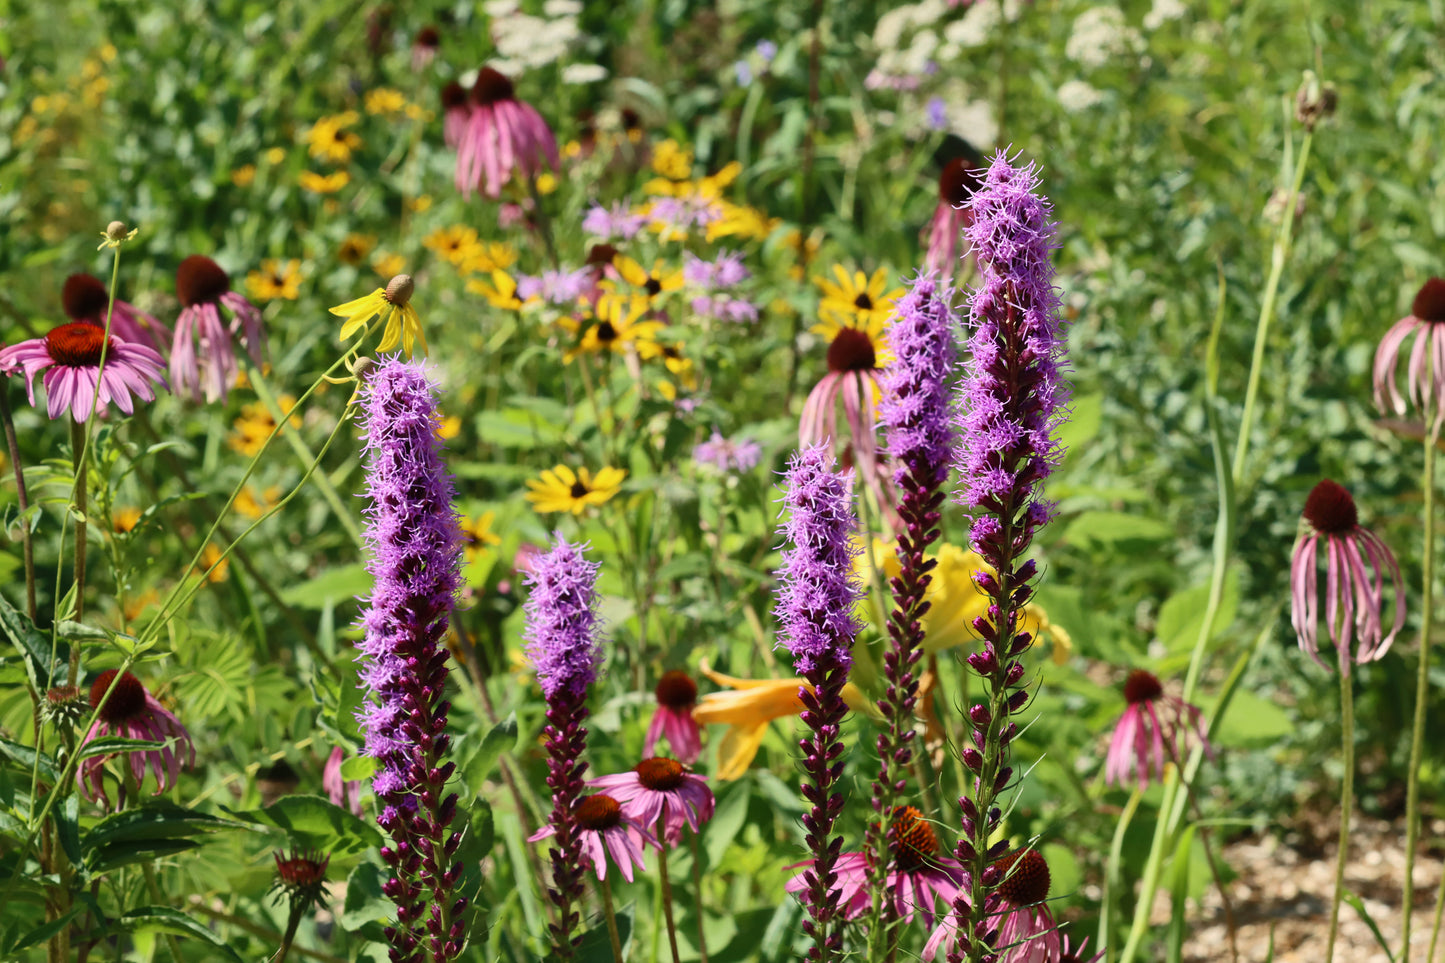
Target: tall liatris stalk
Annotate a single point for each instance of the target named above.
(917, 414)
(1012, 398)
(563, 645)
(415, 547)
(815, 604)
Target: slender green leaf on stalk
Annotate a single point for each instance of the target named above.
(1178, 894)
(502, 738)
(43, 933)
(1354, 900)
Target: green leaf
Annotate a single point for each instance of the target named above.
(41, 934)
(67, 825)
(106, 858)
(44, 667)
(155, 820)
(365, 903)
(316, 823)
(728, 819)
(517, 428)
(596, 945)
(24, 759)
(163, 919)
(1359, 906)
(502, 738)
(1101, 528)
(334, 585)
(1182, 615)
(99, 747)
(358, 768)
(1252, 721)
(1086, 414)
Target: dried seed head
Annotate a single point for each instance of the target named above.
(660, 774)
(116, 231)
(676, 690)
(199, 280)
(399, 290)
(1330, 508)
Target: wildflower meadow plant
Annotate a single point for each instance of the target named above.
(203, 361)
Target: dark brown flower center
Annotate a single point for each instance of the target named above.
(76, 345)
(492, 86)
(863, 302)
(453, 95)
(199, 280)
(852, 350)
(653, 287)
(913, 841)
(606, 333)
(1330, 509)
(125, 703)
(1027, 878)
(601, 254)
(630, 119)
(1142, 686)
(1429, 303)
(598, 812)
(578, 489)
(956, 183)
(428, 37)
(84, 297)
(676, 690)
(660, 774)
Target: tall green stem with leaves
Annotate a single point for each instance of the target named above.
(1422, 697)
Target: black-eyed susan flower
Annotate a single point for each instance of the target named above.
(392, 304)
(856, 300)
(384, 100)
(646, 284)
(478, 539)
(456, 244)
(618, 326)
(388, 263)
(324, 183)
(276, 279)
(500, 293)
(253, 504)
(244, 175)
(354, 249)
(254, 425)
(561, 489)
(328, 139)
(488, 256)
(671, 160)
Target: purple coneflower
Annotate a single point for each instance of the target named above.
(415, 546)
(661, 789)
(1354, 596)
(424, 47)
(1426, 371)
(728, 455)
(919, 877)
(203, 363)
(1147, 734)
(132, 712)
(86, 298)
(503, 135)
(815, 604)
(1012, 399)
(70, 356)
(605, 829)
(956, 185)
(565, 649)
(341, 791)
(676, 698)
(455, 114)
(1026, 931)
(556, 287)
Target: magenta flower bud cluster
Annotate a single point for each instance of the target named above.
(565, 649)
(815, 606)
(1011, 400)
(415, 546)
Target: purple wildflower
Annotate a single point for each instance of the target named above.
(937, 112)
(1148, 732)
(566, 651)
(917, 417)
(767, 50)
(415, 544)
(86, 298)
(725, 308)
(132, 712)
(555, 287)
(678, 215)
(661, 794)
(614, 222)
(1356, 564)
(1012, 398)
(815, 608)
(203, 362)
(724, 271)
(341, 791)
(728, 455)
(1426, 369)
(743, 72)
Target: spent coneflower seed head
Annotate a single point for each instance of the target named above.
(660, 773)
(301, 878)
(125, 703)
(1429, 303)
(599, 811)
(1142, 686)
(1026, 878)
(399, 290)
(116, 231)
(852, 350)
(76, 344)
(492, 86)
(84, 296)
(676, 690)
(200, 280)
(428, 37)
(1330, 508)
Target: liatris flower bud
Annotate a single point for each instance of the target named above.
(564, 647)
(415, 546)
(917, 417)
(1012, 398)
(815, 606)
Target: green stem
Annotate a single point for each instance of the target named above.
(292, 922)
(1347, 802)
(1112, 869)
(303, 453)
(667, 897)
(1422, 696)
(80, 497)
(23, 498)
(697, 890)
(611, 915)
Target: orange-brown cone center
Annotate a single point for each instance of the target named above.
(492, 86)
(84, 296)
(660, 774)
(1330, 508)
(453, 95)
(913, 841)
(598, 812)
(852, 350)
(676, 690)
(1027, 879)
(77, 344)
(956, 183)
(199, 280)
(125, 703)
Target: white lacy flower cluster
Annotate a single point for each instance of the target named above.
(1101, 34)
(525, 42)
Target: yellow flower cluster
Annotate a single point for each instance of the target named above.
(276, 279)
(461, 246)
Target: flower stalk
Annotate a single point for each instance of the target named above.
(1347, 803)
(1422, 695)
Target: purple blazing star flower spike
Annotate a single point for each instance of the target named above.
(917, 407)
(415, 545)
(815, 605)
(564, 647)
(1012, 398)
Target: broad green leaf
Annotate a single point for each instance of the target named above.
(364, 900)
(46, 668)
(24, 758)
(163, 919)
(108, 744)
(1182, 614)
(155, 820)
(596, 945)
(316, 823)
(106, 858)
(334, 585)
(358, 768)
(502, 738)
(43, 933)
(1252, 721)
(728, 819)
(1111, 528)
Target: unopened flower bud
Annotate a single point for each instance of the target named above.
(1314, 100)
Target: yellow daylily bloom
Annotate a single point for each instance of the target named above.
(746, 706)
(561, 489)
(956, 600)
(393, 305)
